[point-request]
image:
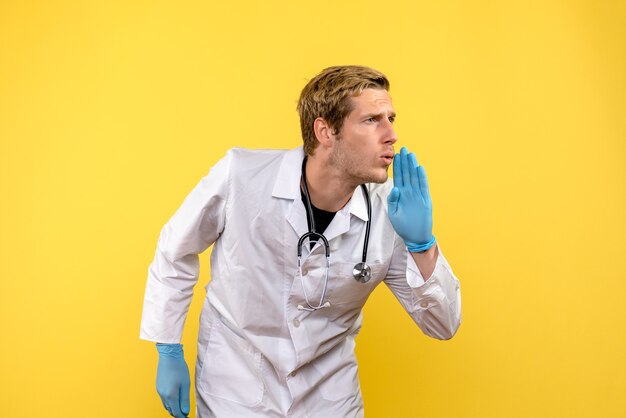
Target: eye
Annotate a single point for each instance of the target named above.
(392, 119)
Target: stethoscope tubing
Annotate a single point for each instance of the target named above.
(361, 273)
(310, 217)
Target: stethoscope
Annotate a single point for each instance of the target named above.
(361, 272)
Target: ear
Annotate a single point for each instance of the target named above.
(323, 132)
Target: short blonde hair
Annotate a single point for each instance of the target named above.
(328, 94)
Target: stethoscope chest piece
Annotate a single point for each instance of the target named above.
(362, 272)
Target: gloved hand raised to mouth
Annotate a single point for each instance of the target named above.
(410, 209)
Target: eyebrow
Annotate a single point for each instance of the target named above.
(378, 115)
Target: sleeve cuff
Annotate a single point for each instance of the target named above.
(164, 313)
(413, 275)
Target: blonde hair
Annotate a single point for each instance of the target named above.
(328, 94)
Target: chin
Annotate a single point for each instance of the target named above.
(379, 177)
(380, 180)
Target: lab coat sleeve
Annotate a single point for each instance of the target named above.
(434, 303)
(175, 268)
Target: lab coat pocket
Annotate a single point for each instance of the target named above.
(231, 368)
(343, 289)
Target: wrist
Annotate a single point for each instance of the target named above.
(420, 248)
(170, 350)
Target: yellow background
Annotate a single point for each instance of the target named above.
(111, 111)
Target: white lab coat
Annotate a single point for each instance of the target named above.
(258, 355)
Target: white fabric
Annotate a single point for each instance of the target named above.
(258, 355)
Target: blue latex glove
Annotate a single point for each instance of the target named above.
(172, 381)
(410, 209)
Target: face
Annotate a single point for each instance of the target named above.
(363, 150)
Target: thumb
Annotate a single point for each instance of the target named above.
(392, 200)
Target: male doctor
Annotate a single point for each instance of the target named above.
(281, 313)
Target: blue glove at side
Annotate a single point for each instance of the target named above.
(410, 209)
(172, 381)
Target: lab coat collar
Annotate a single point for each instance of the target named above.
(287, 184)
(358, 205)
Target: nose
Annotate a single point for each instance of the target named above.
(390, 136)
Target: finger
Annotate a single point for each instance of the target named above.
(406, 166)
(173, 403)
(413, 171)
(397, 171)
(424, 189)
(167, 408)
(184, 399)
(176, 412)
(165, 402)
(392, 200)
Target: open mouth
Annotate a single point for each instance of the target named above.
(387, 159)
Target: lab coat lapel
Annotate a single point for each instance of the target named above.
(341, 222)
(297, 218)
(339, 225)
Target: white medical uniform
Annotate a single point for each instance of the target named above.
(258, 355)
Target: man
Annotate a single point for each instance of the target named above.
(281, 313)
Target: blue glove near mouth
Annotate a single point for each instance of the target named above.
(409, 206)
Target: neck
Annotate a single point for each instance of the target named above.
(328, 190)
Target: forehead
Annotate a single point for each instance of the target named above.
(371, 100)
